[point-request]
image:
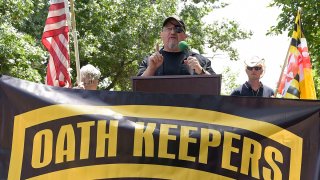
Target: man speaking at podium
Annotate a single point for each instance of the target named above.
(175, 57)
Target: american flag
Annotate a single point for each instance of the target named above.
(56, 40)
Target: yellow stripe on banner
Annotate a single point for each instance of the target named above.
(56, 112)
(129, 171)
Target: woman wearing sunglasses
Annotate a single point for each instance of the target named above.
(255, 68)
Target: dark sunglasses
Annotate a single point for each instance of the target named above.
(257, 68)
(176, 28)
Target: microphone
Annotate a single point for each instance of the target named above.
(184, 47)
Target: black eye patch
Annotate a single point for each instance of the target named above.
(178, 29)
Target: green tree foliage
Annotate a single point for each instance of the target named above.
(20, 56)
(217, 35)
(116, 35)
(229, 81)
(310, 19)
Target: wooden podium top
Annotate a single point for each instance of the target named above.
(178, 84)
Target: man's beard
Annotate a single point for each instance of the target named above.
(172, 44)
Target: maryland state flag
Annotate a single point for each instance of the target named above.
(297, 81)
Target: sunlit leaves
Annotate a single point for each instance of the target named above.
(20, 56)
(114, 35)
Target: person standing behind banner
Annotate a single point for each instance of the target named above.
(255, 68)
(89, 77)
(170, 60)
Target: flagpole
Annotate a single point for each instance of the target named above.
(283, 67)
(76, 49)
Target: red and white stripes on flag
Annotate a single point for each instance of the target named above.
(56, 40)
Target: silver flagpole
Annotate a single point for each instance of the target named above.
(72, 24)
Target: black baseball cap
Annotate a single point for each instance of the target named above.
(176, 18)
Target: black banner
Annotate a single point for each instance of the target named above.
(60, 133)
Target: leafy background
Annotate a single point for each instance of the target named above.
(116, 35)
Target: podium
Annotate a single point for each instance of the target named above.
(178, 84)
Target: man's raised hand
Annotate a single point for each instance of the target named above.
(156, 59)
